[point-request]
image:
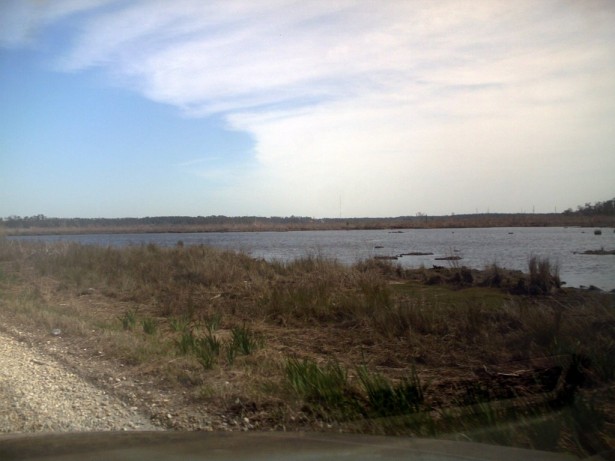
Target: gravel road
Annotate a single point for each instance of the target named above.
(37, 394)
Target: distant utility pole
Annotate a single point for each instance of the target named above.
(340, 206)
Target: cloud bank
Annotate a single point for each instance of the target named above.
(393, 107)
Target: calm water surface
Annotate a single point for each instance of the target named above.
(508, 247)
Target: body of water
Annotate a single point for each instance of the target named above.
(508, 247)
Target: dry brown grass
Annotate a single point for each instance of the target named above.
(458, 335)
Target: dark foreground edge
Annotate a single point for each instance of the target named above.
(155, 446)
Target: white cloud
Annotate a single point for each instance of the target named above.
(21, 21)
(391, 104)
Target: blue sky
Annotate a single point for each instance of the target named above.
(112, 108)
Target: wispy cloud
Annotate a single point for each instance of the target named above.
(384, 102)
(22, 21)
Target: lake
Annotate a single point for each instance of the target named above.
(508, 247)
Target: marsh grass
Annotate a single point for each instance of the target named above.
(382, 406)
(133, 349)
(212, 322)
(325, 386)
(230, 352)
(187, 342)
(211, 343)
(391, 399)
(245, 340)
(206, 346)
(328, 387)
(204, 313)
(31, 308)
(543, 276)
(205, 349)
(206, 353)
(179, 324)
(175, 280)
(128, 319)
(150, 325)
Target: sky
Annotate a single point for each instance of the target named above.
(322, 108)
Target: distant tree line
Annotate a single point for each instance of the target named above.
(597, 209)
(41, 221)
(599, 214)
(421, 219)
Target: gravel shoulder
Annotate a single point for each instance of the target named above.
(39, 394)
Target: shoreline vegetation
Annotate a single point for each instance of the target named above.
(205, 339)
(41, 225)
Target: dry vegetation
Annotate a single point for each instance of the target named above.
(218, 340)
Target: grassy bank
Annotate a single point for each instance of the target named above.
(237, 343)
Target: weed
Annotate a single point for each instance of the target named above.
(494, 276)
(205, 356)
(206, 392)
(387, 399)
(210, 342)
(179, 323)
(231, 352)
(205, 349)
(245, 340)
(586, 422)
(543, 276)
(325, 385)
(150, 325)
(603, 360)
(475, 394)
(187, 342)
(212, 323)
(129, 319)
(462, 276)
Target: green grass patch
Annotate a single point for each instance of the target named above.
(128, 319)
(187, 342)
(205, 354)
(448, 295)
(244, 340)
(388, 399)
(179, 324)
(150, 325)
(325, 385)
(212, 322)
